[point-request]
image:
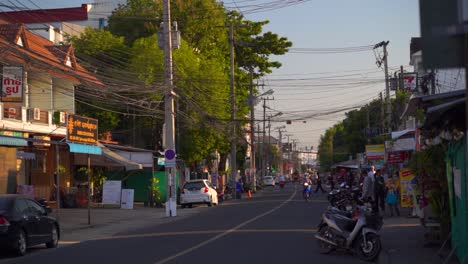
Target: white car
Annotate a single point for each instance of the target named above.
(268, 181)
(198, 192)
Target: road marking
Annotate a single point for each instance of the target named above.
(208, 232)
(62, 242)
(401, 225)
(225, 233)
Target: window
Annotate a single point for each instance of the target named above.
(20, 42)
(194, 185)
(21, 207)
(35, 208)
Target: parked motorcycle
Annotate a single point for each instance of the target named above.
(355, 232)
(345, 198)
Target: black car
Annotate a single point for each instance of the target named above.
(25, 223)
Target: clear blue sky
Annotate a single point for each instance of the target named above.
(325, 24)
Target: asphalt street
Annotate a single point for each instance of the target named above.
(277, 227)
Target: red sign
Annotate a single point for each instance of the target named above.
(397, 157)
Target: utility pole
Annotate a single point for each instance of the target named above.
(387, 86)
(402, 79)
(382, 112)
(263, 140)
(233, 111)
(269, 144)
(171, 204)
(387, 89)
(252, 135)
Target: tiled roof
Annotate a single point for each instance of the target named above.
(46, 15)
(41, 51)
(9, 31)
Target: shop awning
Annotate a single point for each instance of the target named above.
(86, 149)
(13, 141)
(25, 155)
(128, 164)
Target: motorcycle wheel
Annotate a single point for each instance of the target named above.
(370, 250)
(324, 247)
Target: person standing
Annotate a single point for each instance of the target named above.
(331, 181)
(379, 191)
(392, 200)
(367, 186)
(319, 184)
(239, 189)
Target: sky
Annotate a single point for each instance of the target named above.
(309, 85)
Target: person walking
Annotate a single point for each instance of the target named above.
(392, 200)
(331, 181)
(319, 184)
(379, 191)
(239, 189)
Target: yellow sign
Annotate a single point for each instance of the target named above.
(407, 188)
(375, 152)
(82, 129)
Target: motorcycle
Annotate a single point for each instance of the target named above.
(306, 192)
(281, 184)
(355, 232)
(345, 198)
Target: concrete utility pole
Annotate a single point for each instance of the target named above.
(263, 140)
(252, 135)
(280, 162)
(171, 203)
(387, 89)
(387, 86)
(233, 111)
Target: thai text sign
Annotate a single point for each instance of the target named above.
(375, 152)
(82, 129)
(407, 185)
(12, 84)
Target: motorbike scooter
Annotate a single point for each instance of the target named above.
(306, 192)
(357, 233)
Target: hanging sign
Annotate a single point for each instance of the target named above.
(12, 84)
(82, 129)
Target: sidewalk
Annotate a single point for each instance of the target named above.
(109, 221)
(403, 242)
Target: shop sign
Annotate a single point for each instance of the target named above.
(82, 129)
(375, 152)
(12, 84)
(407, 188)
(42, 144)
(12, 133)
(397, 157)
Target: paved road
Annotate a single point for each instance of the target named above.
(275, 228)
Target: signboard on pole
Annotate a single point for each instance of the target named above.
(410, 82)
(170, 161)
(111, 192)
(82, 129)
(12, 84)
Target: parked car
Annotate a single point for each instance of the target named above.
(198, 192)
(25, 223)
(268, 181)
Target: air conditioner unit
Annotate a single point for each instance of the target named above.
(37, 114)
(63, 117)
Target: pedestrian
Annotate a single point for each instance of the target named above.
(319, 184)
(367, 187)
(239, 189)
(392, 200)
(379, 191)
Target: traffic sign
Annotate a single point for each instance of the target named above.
(169, 156)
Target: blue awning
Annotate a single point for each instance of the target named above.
(13, 141)
(25, 155)
(86, 149)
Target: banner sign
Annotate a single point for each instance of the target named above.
(410, 82)
(12, 84)
(111, 192)
(375, 152)
(407, 185)
(397, 157)
(82, 129)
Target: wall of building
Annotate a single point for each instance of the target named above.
(40, 90)
(8, 172)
